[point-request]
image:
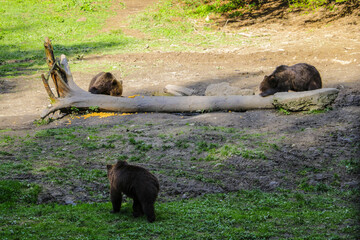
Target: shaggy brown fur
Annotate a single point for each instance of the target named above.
(137, 183)
(106, 83)
(299, 77)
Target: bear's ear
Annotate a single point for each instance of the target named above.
(114, 82)
(108, 75)
(272, 80)
(121, 163)
(108, 167)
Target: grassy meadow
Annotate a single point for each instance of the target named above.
(73, 160)
(58, 157)
(241, 215)
(74, 28)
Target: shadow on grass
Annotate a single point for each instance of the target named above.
(15, 62)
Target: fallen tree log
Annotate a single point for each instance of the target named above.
(74, 96)
(71, 95)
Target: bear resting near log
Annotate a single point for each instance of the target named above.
(106, 83)
(299, 77)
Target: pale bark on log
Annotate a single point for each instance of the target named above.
(79, 98)
(162, 104)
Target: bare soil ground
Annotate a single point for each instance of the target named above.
(310, 141)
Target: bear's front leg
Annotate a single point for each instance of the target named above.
(116, 199)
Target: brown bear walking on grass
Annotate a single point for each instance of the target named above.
(135, 182)
(106, 83)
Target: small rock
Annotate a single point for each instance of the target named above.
(218, 165)
(312, 182)
(352, 99)
(319, 176)
(178, 90)
(273, 184)
(69, 201)
(55, 193)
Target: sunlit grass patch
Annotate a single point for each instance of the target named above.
(240, 215)
(174, 28)
(74, 26)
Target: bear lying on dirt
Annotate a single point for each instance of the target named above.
(106, 83)
(299, 77)
(137, 183)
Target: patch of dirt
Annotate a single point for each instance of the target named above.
(308, 141)
(317, 151)
(6, 86)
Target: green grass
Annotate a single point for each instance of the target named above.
(76, 156)
(235, 8)
(72, 25)
(55, 154)
(18, 192)
(231, 150)
(239, 215)
(314, 4)
(352, 165)
(140, 145)
(318, 111)
(173, 27)
(76, 29)
(283, 111)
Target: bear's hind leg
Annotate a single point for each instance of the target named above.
(149, 211)
(137, 209)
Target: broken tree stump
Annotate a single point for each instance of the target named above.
(71, 95)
